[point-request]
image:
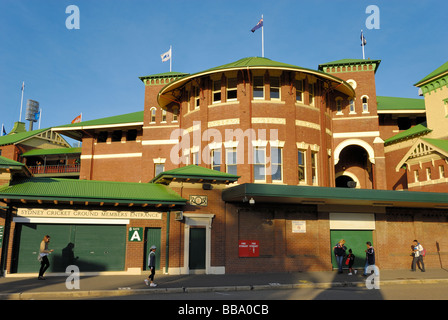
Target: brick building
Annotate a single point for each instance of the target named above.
(253, 166)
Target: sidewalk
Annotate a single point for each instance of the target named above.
(17, 288)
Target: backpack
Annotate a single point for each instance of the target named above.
(423, 252)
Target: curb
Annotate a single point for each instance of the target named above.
(128, 292)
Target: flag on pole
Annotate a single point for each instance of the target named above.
(37, 115)
(3, 130)
(23, 86)
(166, 56)
(258, 25)
(77, 119)
(363, 39)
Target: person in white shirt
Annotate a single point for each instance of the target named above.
(418, 257)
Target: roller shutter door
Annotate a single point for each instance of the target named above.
(90, 247)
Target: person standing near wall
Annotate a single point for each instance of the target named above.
(370, 257)
(339, 252)
(43, 257)
(152, 266)
(418, 256)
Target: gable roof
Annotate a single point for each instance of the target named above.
(50, 189)
(194, 174)
(20, 137)
(416, 131)
(423, 147)
(443, 69)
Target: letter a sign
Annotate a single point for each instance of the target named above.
(135, 234)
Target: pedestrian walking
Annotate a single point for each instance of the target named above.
(350, 260)
(339, 252)
(370, 257)
(43, 257)
(418, 252)
(152, 266)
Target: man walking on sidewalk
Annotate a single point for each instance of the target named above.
(418, 257)
(370, 257)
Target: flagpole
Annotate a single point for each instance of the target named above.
(262, 38)
(171, 57)
(40, 116)
(21, 103)
(362, 44)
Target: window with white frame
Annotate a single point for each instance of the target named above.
(175, 114)
(231, 161)
(365, 104)
(217, 91)
(259, 163)
(195, 156)
(428, 174)
(232, 89)
(153, 115)
(158, 168)
(276, 164)
(301, 157)
(314, 168)
(163, 115)
(259, 87)
(311, 94)
(441, 172)
(299, 90)
(216, 159)
(352, 106)
(197, 95)
(275, 88)
(416, 176)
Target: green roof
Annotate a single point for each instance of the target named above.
(436, 73)
(19, 137)
(394, 103)
(413, 132)
(90, 190)
(163, 75)
(345, 62)
(438, 143)
(194, 174)
(42, 152)
(5, 162)
(244, 64)
(134, 117)
(263, 193)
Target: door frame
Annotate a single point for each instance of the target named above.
(197, 220)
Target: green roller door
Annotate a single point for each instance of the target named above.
(90, 247)
(355, 240)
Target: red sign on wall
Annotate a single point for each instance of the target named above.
(249, 248)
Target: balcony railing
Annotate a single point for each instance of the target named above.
(72, 168)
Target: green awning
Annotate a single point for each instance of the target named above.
(194, 174)
(269, 193)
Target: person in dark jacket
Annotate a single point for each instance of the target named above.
(339, 252)
(370, 257)
(152, 267)
(351, 261)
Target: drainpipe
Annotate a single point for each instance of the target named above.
(167, 247)
(6, 231)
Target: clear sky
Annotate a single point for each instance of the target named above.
(94, 70)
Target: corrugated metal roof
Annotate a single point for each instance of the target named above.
(90, 190)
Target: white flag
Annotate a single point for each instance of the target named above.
(166, 56)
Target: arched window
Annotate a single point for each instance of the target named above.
(153, 115)
(365, 104)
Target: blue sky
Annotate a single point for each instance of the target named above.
(95, 70)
